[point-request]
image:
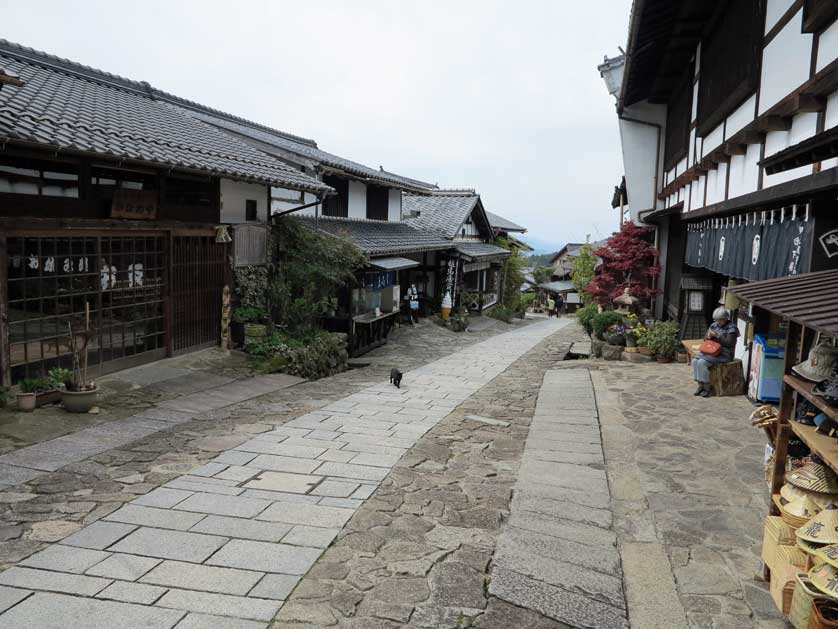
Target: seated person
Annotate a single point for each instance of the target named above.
(725, 333)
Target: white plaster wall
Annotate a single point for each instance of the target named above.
(712, 140)
(698, 192)
(716, 181)
(831, 120)
(357, 200)
(681, 167)
(744, 114)
(233, 197)
(774, 11)
(280, 206)
(695, 100)
(827, 47)
(642, 144)
(669, 176)
(785, 63)
(691, 156)
(744, 172)
(394, 205)
(803, 126)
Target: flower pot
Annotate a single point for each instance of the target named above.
(47, 397)
(664, 359)
(254, 332)
(615, 339)
(631, 349)
(79, 401)
(644, 350)
(631, 341)
(26, 402)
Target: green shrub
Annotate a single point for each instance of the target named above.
(502, 313)
(316, 354)
(60, 376)
(601, 321)
(250, 314)
(35, 385)
(585, 316)
(662, 338)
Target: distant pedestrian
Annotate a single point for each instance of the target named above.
(551, 306)
(559, 305)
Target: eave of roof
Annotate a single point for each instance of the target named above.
(122, 120)
(503, 224)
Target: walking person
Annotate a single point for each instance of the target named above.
(717, 348)
(551, 304)
(559, 306)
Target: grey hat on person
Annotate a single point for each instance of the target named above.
(721, 314)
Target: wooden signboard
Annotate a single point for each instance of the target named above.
(134, 204)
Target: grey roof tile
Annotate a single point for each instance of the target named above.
(72, 106)
(442, 211)
(478, 249)
(303, 147)
(503, 224)
(379, 237)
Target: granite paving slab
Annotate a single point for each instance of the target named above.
(557, 553)
(230, 538)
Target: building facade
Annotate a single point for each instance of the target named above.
(727, 114)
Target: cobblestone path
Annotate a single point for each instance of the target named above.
(231, 538)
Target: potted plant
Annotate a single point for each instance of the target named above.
(603, 320)
(79, 394)
(662, 339)
(36, 392)
(615, 334)
(253, 319)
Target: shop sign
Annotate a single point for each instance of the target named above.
(134, 204)
(829, 242)
(379, 281)
(108, 274)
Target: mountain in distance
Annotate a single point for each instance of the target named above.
(540, 245)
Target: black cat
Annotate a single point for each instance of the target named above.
(396, 377)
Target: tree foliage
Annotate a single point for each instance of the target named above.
(542, 274)
(312, 268)
(583, 271)
(628, 261)
(512, 275)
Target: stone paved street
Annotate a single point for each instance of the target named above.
(231, 537)
(479, 494)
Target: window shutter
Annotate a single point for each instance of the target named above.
(250, 245)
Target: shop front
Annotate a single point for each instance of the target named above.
(800, 538)
(141, 294)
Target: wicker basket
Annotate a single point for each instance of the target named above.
(816, 617)
(801, 601)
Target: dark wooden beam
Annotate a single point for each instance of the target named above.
(735, 148)
(807, 103)
(5, 357)
(773, 123)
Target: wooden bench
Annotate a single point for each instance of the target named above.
(725, 378)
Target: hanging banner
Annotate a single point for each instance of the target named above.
(760, 246)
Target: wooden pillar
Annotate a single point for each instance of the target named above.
(5, 356)
(168, 288)
(794, 347)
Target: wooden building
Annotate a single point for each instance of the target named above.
(728, 114)
(470, 270)
(111, 199)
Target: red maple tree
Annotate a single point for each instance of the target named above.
(628, 260)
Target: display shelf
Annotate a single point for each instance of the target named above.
(825, 447)
(804, 388)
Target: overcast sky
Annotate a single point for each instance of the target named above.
(504, 97)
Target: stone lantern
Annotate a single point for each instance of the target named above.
(626, 304)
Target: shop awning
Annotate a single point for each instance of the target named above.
(810, 299)
(481, 251)
(558, 287)
(393, 263)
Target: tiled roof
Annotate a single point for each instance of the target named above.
(268, 138)
(442, 211)
(67, 105)
(379, 237)
(478, 249)
(499, 222)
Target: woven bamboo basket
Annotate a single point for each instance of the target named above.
(819, 619)
(801, 601)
